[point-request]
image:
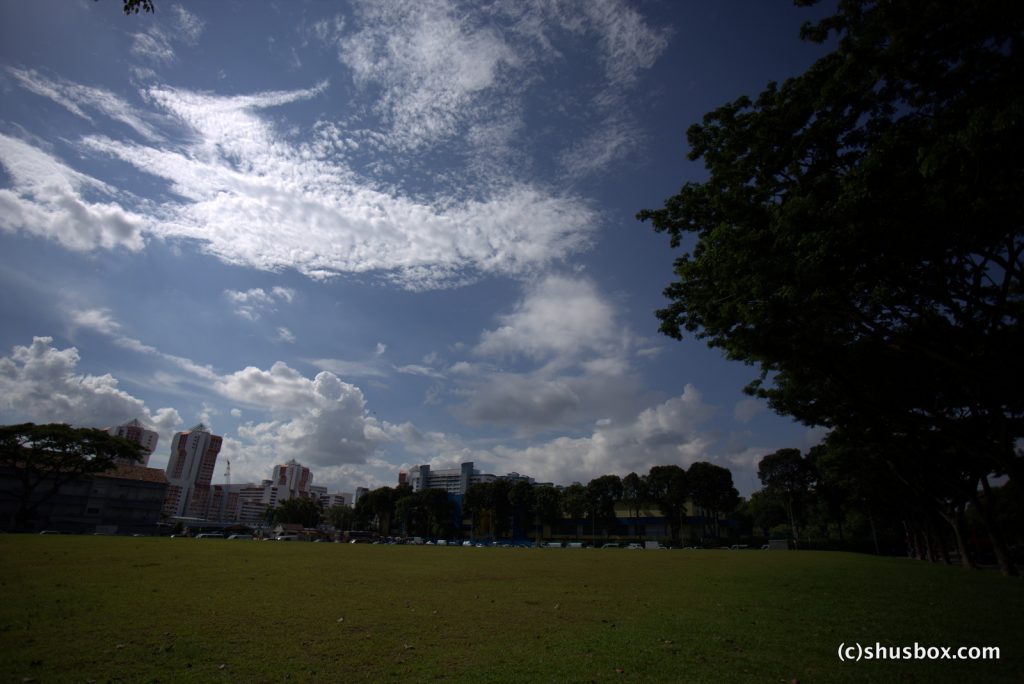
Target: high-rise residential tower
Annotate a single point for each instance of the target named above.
(189, 472)
(135, 431)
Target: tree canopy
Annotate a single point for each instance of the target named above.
(46, 457)
(859, 237)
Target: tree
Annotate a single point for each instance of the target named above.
(299, 510)
(785, 474)
(426, 513)
(859, 237)
(520, 498)
(379, 505)
(135, 6)
(635, 495)
(711, 489)
(490, 507)
(547, 506)
(340, 517)
(602, 494)
(574, 503)
(669, 489)
(44, 458)
(767, 511)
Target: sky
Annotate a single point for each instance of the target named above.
(372, 235)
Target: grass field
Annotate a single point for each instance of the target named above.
(171, 610)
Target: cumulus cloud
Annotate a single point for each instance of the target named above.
(320, 421)
(40, 383)
(746, 409)
(47, 199)
(558, 359)
(525, 403)
(558, 316)
(664, 434)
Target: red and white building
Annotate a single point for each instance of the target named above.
(136, 432)
(189, 472)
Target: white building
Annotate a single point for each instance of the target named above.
(336, 499)
(136, 432)
(189, 471)
(453, 480)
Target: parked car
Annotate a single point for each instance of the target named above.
(210, 535)
(240, 536)
(287, 537)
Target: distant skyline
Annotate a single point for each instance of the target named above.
(370, 235)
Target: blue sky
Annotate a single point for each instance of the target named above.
(370, 235)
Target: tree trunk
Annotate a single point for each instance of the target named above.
(1003, 558)
(960, 531)
(874, 532)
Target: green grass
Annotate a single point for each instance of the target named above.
(171, 610)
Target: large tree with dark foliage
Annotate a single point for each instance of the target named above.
(859, 237)
(712, 490)
(299, 511)
(45, 458)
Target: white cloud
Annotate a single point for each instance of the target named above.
(47, 200)
(40, 383)
(322, 421)
(285, 335)
(559, 316)
(430, 61)
(671, 432)
(570, 357)
(153, 46)
(615, 140)
(253, 302)
(156, 45)
(668, 433)
(350, 369)
(746, 409)
(99, 320)
(253, 199)
(188, 27)
(75, 97)
(627, 43)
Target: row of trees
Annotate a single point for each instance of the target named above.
(860, 239)
(839, 496)
(517, 509)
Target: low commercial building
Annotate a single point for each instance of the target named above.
(124, 500)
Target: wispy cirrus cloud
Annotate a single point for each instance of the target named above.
(446, 73)
(156, 43)
(254, 191)
(252, 198)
